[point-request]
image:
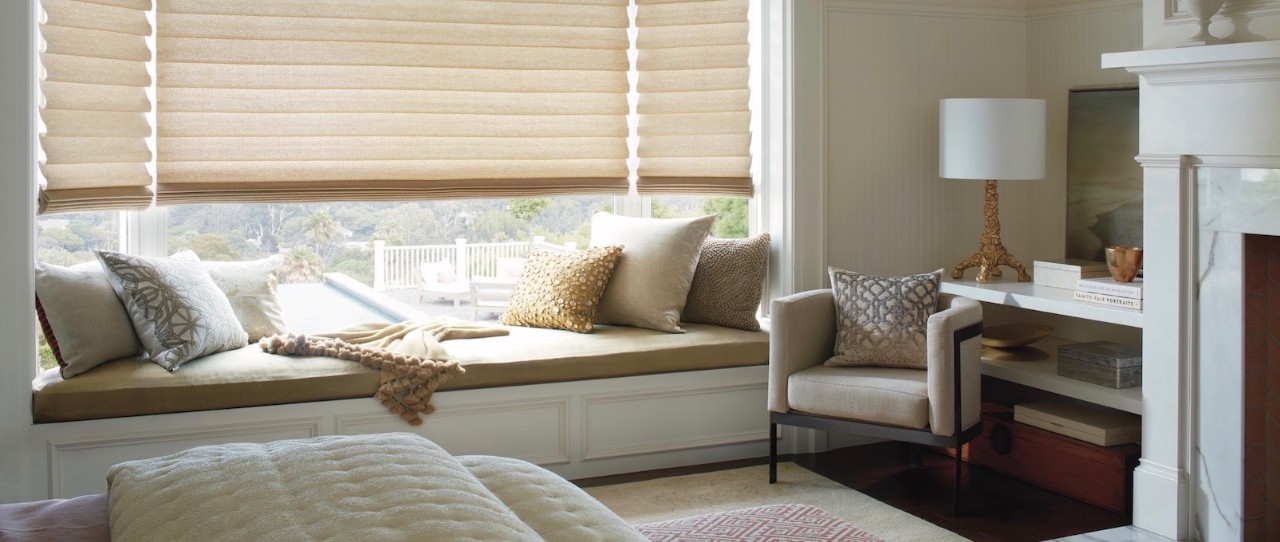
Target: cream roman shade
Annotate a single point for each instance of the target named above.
(94, 105)
(694, 101)
(308, 100)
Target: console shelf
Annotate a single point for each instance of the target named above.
(1043, 374)
(1041, 298)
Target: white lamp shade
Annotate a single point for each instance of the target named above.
(991, 138)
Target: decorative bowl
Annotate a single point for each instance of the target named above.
(1014, 335)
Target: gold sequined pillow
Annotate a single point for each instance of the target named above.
(882, 321)
(561, 290)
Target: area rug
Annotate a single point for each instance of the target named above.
(771, 523)
(676, 497)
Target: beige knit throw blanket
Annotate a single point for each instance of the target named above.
(408, 354)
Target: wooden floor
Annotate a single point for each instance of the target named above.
(996, 508)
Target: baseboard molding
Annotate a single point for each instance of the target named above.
(1160, 503)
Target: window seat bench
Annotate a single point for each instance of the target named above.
(618, 400)
(250, 377)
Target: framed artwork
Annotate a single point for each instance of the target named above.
(1104, 182)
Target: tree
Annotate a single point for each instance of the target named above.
(527, 209)
(213, 247)
(302, 265)
(731, 221)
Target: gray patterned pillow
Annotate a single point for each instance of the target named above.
(176, 309)
(882, 321)
(727, 284)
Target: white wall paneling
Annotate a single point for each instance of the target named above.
(1063, 53)
(78, 465)
(18, 471)
(887, 66)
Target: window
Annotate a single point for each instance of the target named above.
(71, 238)
(733, 214)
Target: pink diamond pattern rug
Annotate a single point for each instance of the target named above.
(773, 523)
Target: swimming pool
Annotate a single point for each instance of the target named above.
(338, 302)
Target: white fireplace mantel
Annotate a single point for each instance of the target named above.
(1211, 106)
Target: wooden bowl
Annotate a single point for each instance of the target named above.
(1014, 335)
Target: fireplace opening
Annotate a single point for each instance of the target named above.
(1261, 387)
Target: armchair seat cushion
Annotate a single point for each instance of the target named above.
(880, 395)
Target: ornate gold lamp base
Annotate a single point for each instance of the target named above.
(991, 253)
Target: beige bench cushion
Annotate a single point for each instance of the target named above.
(879, 395)
(250, 377)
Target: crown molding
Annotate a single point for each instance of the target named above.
(1038, 9)
(1010, 10)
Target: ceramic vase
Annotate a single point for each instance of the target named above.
(1202, 11)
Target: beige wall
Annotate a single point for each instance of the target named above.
(886, 67)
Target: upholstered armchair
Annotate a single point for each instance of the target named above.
(936, 406)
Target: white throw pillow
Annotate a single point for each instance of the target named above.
(659, 257)
(251, 287)
(83, 320)
(178, 312)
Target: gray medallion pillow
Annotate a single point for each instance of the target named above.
(82, 318)
(882, 321)
(176, 309)
(728, 282)
(651, 282)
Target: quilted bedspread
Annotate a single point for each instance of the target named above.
(395, 486)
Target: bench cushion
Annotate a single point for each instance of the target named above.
(250, 377)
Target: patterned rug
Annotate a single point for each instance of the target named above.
(772, 523)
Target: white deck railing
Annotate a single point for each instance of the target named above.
(397, 266)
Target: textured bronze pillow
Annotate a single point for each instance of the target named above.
(728, 282)
(561, 290)
(882, 321)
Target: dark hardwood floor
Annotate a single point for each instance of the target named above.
(995, 507)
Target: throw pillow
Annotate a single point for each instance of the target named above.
(82, 319)
(251, 287)
(728, 282)
(652, 281)
(561, 290)
(882, 321)
(176, 309)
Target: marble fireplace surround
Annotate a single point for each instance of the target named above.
(1210, 117)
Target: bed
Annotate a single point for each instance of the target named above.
(387, 487)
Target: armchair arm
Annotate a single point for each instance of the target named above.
(960, 319)
(802, 334)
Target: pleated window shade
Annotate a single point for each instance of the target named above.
(694, 104)
(324, 100)
(94, 105)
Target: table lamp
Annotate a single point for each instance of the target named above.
(991, 139)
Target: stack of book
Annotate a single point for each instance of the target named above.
(1104, 363)
(1065, 273)
(1110, 292)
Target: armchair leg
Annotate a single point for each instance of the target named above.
(955, 484)
(913, 455)
(773, 453)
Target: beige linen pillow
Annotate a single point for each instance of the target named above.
(561, 290)
(882, 321)
(178, 312)
(728, 282)
(654, 274)
(82, 318)
(251, 288)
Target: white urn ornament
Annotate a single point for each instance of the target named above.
(1202, 11)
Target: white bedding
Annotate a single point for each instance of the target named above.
(395, 486)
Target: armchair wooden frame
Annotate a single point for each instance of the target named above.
(915, 436)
